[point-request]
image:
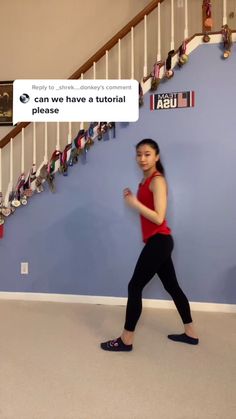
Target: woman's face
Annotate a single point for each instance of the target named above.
(146, 157)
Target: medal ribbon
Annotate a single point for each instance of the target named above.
(183, 48)
(1, 217)
(156, 70)
(19, 185)
(208, 8)
(51, 164)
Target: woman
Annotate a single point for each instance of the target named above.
(155, 258)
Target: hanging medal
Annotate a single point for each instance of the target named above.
(1, 213)
(227, 40)
(15, 201)
(33, 173)
(141, 100)
(81, 143)
(63, 161)
(73, 155)
(90, 135)
(208, 23)
(21, 193)
(91, 132)
(99, 132)
(50, 175)
(206, 37)
(41, 178)
(10, 199)
(23, 200)
(20, 190)
(6, 211)
(87, 142)
(155, 76)
(78, 137)
(84, 147)
(15, 195)
(169, 73)
(102, 129)
(39, 183)
(45, 175)
(27, 185)
(1, 217)
(183, 57)
(112, 126)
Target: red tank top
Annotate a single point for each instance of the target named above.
(145, 196)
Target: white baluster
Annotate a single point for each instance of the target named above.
(145, 47)
(82, 124)
(224, 12)
(22, 150)
(10, 185)
(94, 70)
(132, 53)
(119, 59)
(69, 132)
(11, 162)
(106, 65)
(58, 136)
(185, 19)
(45, 142)
(172, 42)
(159, 32)
(34, 143)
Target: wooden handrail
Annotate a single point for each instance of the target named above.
(13, 133)
(88, 64)
(113, 41)
(102, 51)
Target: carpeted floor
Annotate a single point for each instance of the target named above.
(52, 366)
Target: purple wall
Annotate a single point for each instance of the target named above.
(83, 240)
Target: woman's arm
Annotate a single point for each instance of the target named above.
(159, 190)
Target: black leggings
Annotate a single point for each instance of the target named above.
(155, 258)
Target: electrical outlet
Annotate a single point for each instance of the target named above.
(24, 268)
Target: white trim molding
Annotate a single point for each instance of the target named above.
(114, 301)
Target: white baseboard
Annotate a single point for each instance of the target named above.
(116, 301)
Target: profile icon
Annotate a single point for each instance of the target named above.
(24, 98)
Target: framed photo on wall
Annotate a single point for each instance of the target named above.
(6, 103)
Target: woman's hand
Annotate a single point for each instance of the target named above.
(130, 198)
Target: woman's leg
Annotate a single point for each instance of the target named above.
(153, 255)
(143, 273)
(169, 280)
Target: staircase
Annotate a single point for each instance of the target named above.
(162, 26)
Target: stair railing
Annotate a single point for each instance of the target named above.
(131, 53)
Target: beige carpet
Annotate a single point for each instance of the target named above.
(52, 366)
